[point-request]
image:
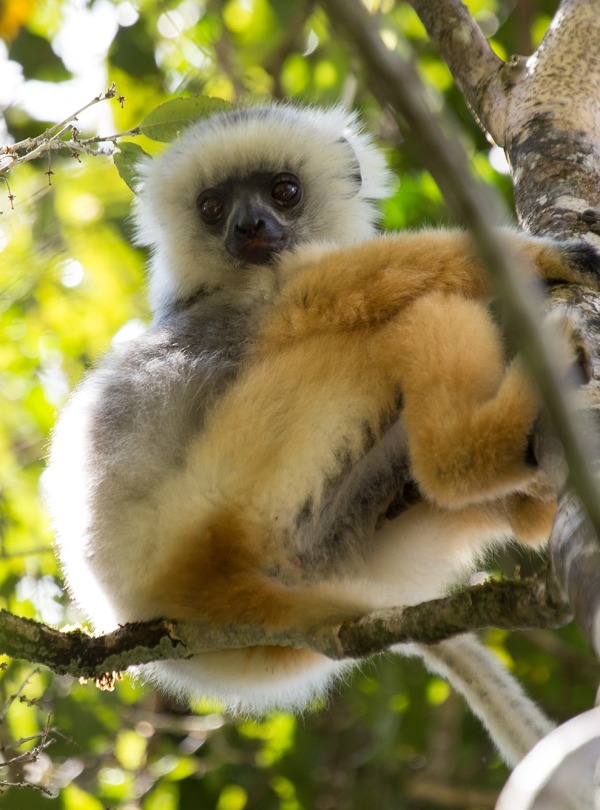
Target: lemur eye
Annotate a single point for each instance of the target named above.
(286, 190)
(211, 207)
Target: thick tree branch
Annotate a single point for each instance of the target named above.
(511, 605)
(553, 124)
(76, 653)
(481, 75)
(559, 773)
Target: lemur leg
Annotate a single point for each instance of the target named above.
(512, 719)
(468, 415)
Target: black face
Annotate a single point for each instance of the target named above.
(255, 215)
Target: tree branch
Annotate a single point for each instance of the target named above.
(557, 130)
(507, 604)
(76, 653)
(528, 107)
(512, 605)
(559, 771)
(481, 75)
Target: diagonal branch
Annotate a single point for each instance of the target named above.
(481, 75)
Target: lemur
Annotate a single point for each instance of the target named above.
(320, 420)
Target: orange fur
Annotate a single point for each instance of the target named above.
(226, 552)
(370, 283)
(469, 426)
(348, 331)
(221, 577)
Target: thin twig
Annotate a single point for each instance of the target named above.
(53, 139)
(19, 691)
(25, 784)
(41, 735)
(52, 131)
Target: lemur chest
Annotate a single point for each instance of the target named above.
(295, 439)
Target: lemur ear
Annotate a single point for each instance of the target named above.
(354, 172)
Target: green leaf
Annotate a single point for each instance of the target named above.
(126, 160)
(165, 123)
(132, 51)
(36, 57)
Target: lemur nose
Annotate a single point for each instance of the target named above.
(250, 226)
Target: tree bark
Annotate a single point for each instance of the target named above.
(511, 605)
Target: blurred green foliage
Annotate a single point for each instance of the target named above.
(69, 281)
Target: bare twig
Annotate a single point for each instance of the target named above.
(11, 196)
(19, 692)
(25, 784)
(53, 139)
(16, 764)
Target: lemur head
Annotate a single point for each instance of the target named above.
(239, 188)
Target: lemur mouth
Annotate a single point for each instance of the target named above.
(260, 250)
